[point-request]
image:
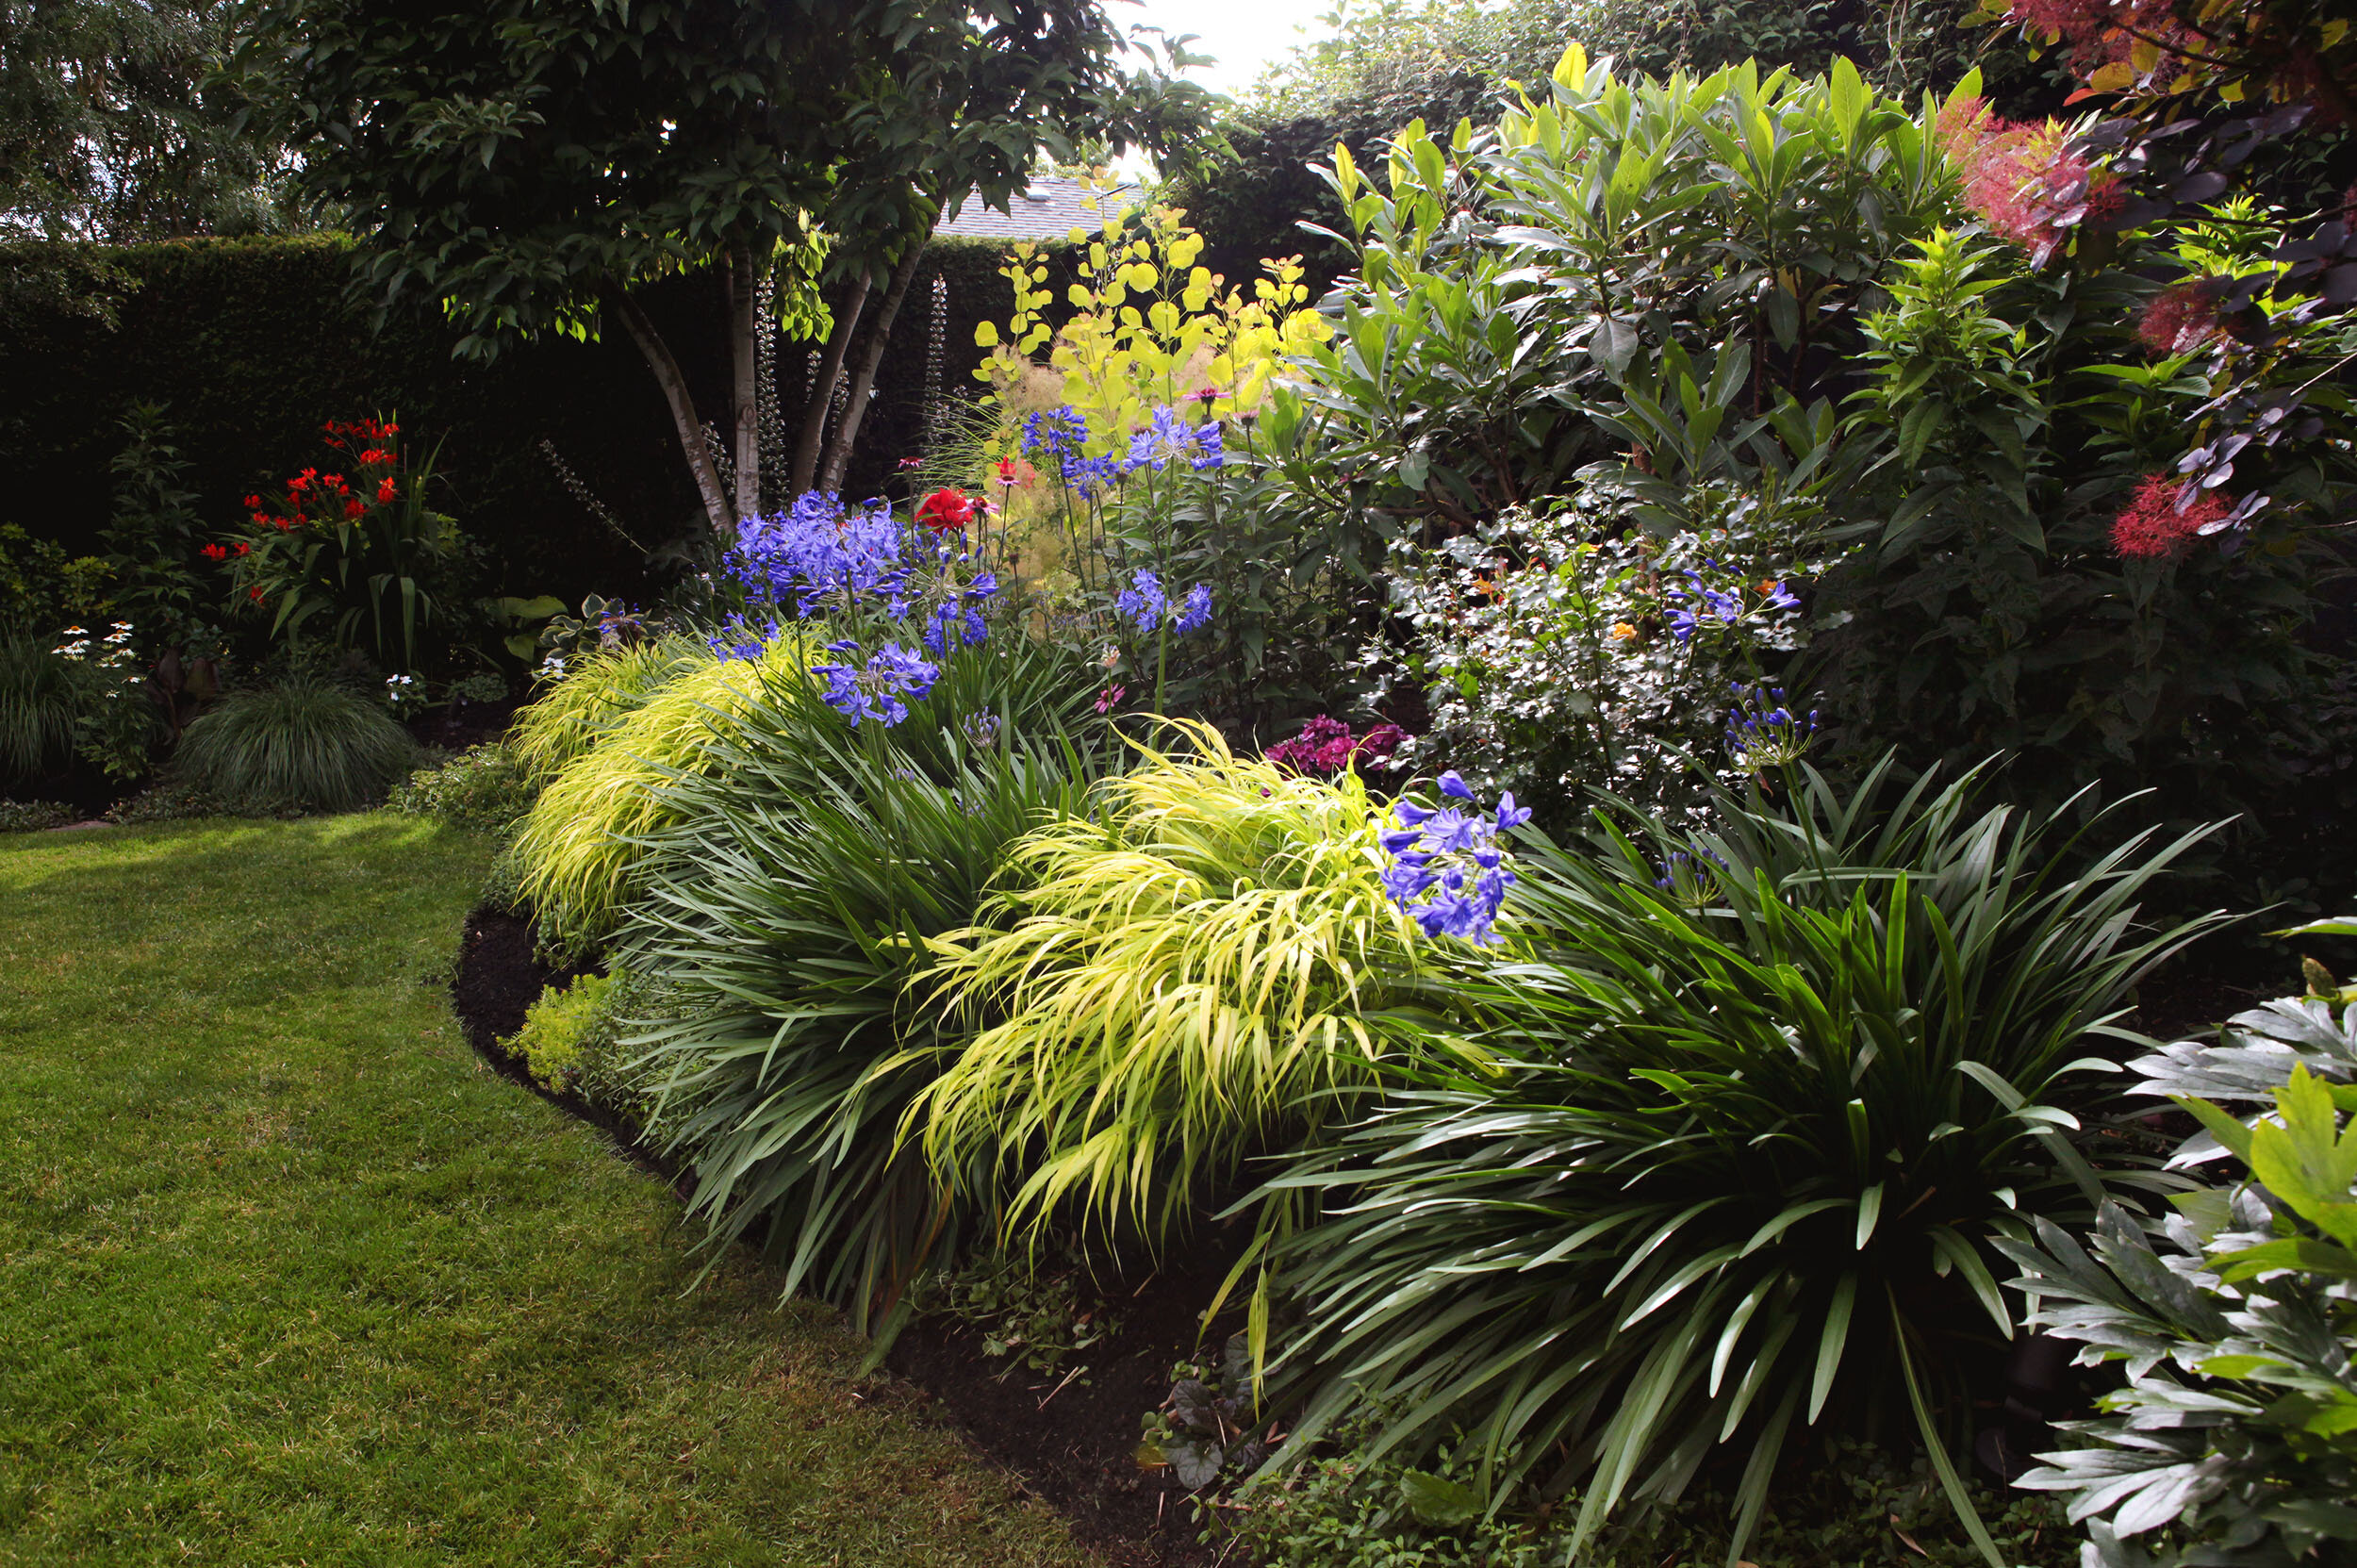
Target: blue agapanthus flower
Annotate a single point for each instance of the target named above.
(882, 689)
(1145, 605)
(822, 554)
(1171, 438)
(1194, 611)
(1763, 733)
(1059, 433)
(1700, 601)
(1446, 868)
(1143, 602)
(742, 637)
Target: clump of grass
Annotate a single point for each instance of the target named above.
(1204, 965)
(304, 742)
(37, 704)
(597, 692)
(580, 850)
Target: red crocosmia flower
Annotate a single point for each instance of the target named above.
(216, 553)
(244, 549)
(254, 592)
(300, 483)
(389, 430)
(387, 489)
(374, 456)
(354, 507)
(946, 509)
(2154, 525)
(253, 503)
(335, 482)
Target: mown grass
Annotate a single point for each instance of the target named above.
(287, 1276)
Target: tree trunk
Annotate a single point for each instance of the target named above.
(864, 382)
(745, 389)
(822, 390)
(691, 430)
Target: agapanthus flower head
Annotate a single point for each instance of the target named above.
(2164, 516)
(1692, 877)
(1061, 433)
(818, 552)
(883, 689)
(980, 729)
(1143, 603)
(2179, 320)
(1764, 733)
(1171, 438)
(1194, 611)
(742, 637)
(1444, 864)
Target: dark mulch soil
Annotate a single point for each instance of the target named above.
(1076, 1441)
(1074, 1445)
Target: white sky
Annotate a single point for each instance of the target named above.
(1244, 34)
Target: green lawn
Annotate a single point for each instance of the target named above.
(287, 1276)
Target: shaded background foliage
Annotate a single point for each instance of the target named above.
(250, 344)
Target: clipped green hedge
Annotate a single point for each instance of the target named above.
(252, 344)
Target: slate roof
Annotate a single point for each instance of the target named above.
(1050, 210)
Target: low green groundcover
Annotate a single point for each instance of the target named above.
(287, 1276)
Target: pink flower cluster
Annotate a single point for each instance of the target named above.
(2179, 320)
(1326, 746)
(2022, 178)
(2154, 525)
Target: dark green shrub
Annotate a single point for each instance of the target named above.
(34, 816)
(303, 743)
(485, 789)
(1761, 1096)
(1849, 1505)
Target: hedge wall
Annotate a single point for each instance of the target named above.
(252, 344)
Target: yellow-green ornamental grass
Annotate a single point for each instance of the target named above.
(587, 834)
(1203, 969)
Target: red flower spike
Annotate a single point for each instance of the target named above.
(354, 508)
(386, 490)
(244, 549)
(216, 553)
(254, 593)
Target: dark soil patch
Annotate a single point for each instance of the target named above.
(1076, 1441)
(1072, 1445)
(460, 723)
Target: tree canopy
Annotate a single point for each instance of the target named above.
(116, 124)
(528, 164)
